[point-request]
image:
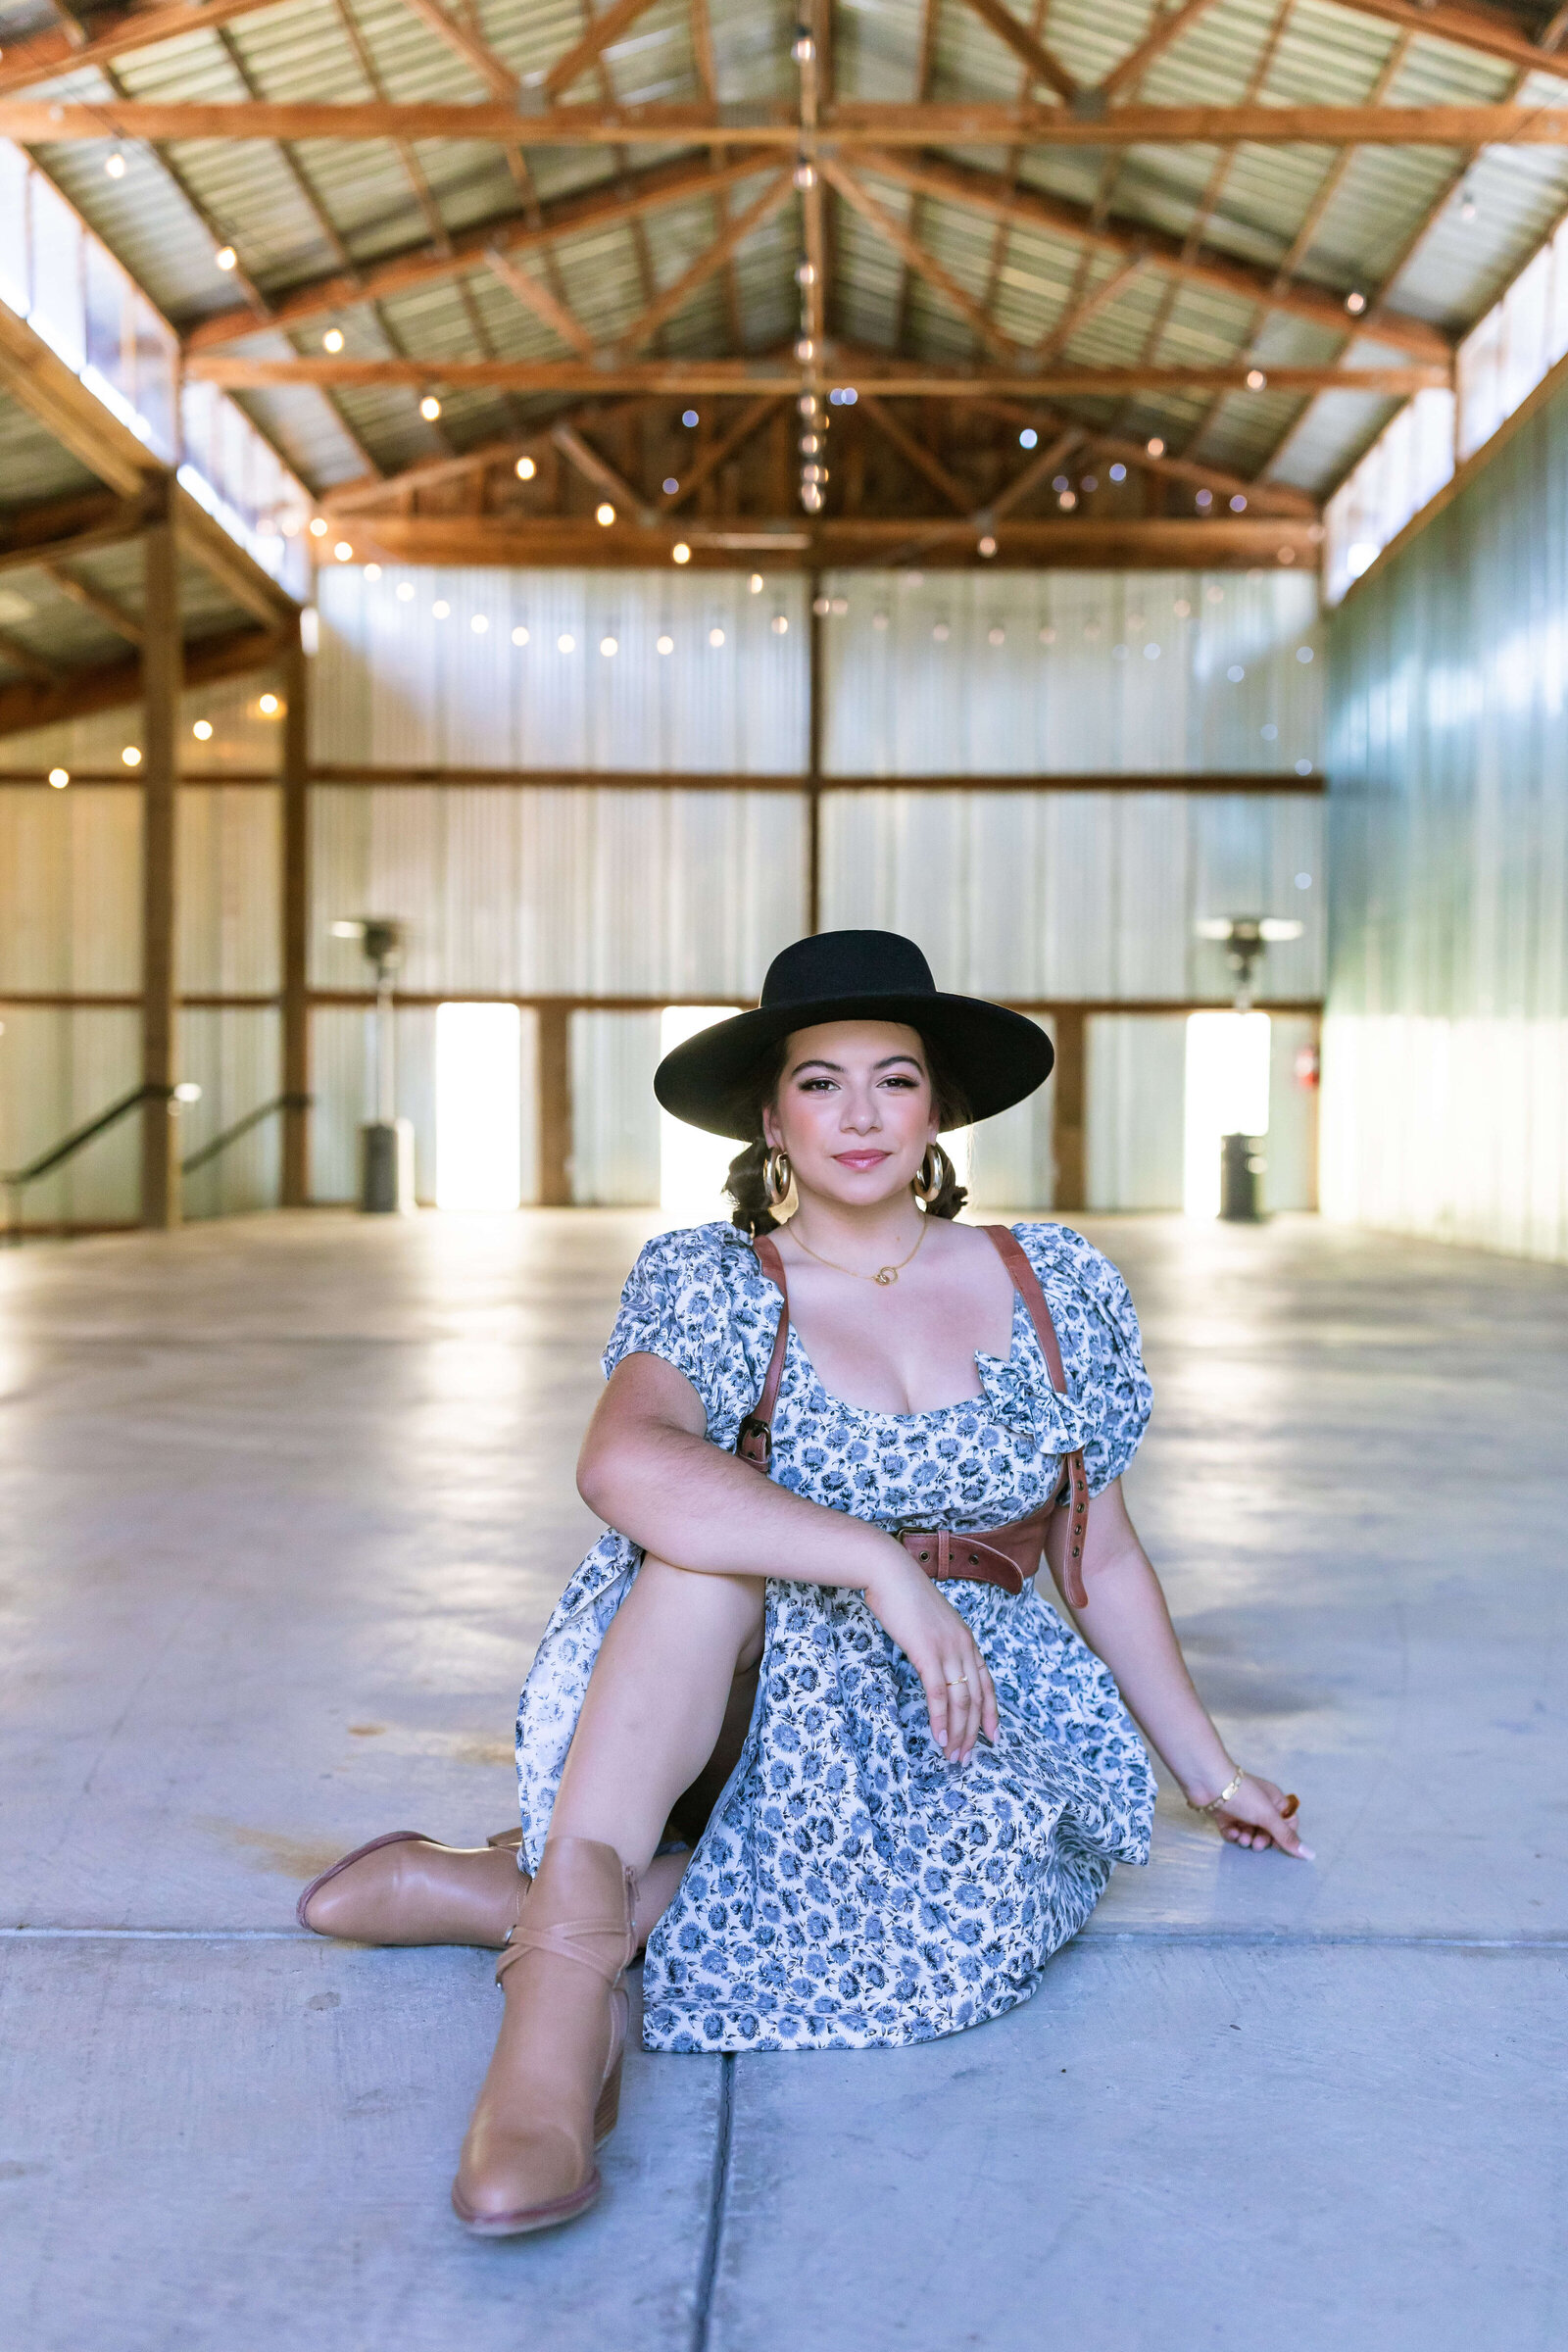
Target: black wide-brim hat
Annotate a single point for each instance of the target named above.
(995, 1056)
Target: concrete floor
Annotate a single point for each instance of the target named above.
(283, 1504)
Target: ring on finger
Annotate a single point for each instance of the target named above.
(953, 1680)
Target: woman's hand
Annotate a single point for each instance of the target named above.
(959, 1694)
(1259, 1815)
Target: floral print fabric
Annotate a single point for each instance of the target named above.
(851, 1887)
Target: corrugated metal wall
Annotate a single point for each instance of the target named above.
(1079, 894)
(433, 678)
(1070, 673)
(1446, 1046)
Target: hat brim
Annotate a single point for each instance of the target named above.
(996, 1057)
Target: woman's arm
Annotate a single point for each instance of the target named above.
(648, 1468)
(1128, 1624)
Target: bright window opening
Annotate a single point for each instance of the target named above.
(478, 1107)
(692, 1165)
(1227, 1094)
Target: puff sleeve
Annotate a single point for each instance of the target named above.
(1101, 1348)
(675, 1306)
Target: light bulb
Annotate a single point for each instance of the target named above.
(680, 553)
(664, 645)
(60, 777)
(225, 257)
(525, 469)
(605, 513)
(520, 636)
(131, 756)
(430, 408)
(716, 638)
(115, 165)
(1256, 380)
(1156, 448)
(332, 340)
(269, 705)
(317, 526)
(1028, 438)
(609, 646)
(688, 417)
(203, 730)
(343, 552)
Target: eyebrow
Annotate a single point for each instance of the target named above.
(816, 1062)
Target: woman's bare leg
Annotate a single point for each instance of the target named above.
(656, 1705)
(654, 1712)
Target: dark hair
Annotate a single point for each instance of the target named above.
(744, 1185)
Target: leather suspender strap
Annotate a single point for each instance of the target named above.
(1027, 1284)
(754, 1440)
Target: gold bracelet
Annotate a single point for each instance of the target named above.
(1214, 1803)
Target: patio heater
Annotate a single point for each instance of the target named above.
(1242, 1164)
(386, 1142)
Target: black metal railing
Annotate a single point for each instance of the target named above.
(16, 1180)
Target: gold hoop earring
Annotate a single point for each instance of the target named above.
(929, 1184)
(777, 1177)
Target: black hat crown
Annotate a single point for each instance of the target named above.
(847, 964)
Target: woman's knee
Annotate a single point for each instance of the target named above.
(738, 1604)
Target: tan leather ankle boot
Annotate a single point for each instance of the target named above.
(553, 2091)
(405, 1889)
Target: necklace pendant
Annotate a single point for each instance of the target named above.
(886, 1274)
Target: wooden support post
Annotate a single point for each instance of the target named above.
(555, 1106)
(813, 769)
(295, 917)
(161, 686)
(1067, 1130)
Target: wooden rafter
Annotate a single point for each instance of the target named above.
(60, 529)
(535, 296)
(852, 125)
(1166, 28)
(21, 655)
(1028, 480)
(984, 192)
(1031, 52)
(914, 452)
(712, 258)
(1098, 299)
(464, 42)
(723, 376)
(598, 471)
(718, 453)
(600, 34)
(93, 600)
(424, 264)
(76, 693)
(924, 264)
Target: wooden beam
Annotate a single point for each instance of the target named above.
(1029, 210)
(61, 529)
(93, 600)
(589, 213)
(925, 265)
(586, 460)
(42, 384)
(603, 31)
(1067, 1103)
(206, 543)
(161, 681)
(718, 453)
(49, 54)
(852, 125)
(1490, 32)
(475, 52)
(717, 377)
(21, 655)
(1093, 303)
(554, 1067)
(796, 542)
(78, 693)
(914, 453)
(1031, 53)
(1264, 497)
(296, 929)
(1024, 484)
(535, 295)
(1166, 28)
(714, 257)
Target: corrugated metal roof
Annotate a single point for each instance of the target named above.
(293, 214)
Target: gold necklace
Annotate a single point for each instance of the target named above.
(883, 1275)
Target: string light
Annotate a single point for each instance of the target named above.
(565, 643)
(609, 646)
(780, 624)
(525, 469)
(269, 705)
(716, 638)
(988, 546)
(372, 572)
(405, 592)
(343, 552)
(430, 408)
(1256, 380)
(1204, 499)
(479, 624)
(1118, 474)
(225, 257)
(115, 165)
(332, 340)
(60, 777)
(670, 485)
(1067, 500)
(1356, 303)
(664, 645)
(131, 756)
(440, 610)
(1028, 438)
(519, 635)
(757, 583)
(603, 514)
(805, 176)
(317, 526)
(1237, 504)
(1156, 448)
(689, 416)
(680, 553)
(203, 730)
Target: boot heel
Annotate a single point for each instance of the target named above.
(608, 2112)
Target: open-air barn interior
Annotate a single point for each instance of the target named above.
(512, 513)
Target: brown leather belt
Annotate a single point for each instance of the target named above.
(1008, 1555)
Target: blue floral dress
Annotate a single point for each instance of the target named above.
(851, 1887)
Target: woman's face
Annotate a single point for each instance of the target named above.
(853, 1109)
